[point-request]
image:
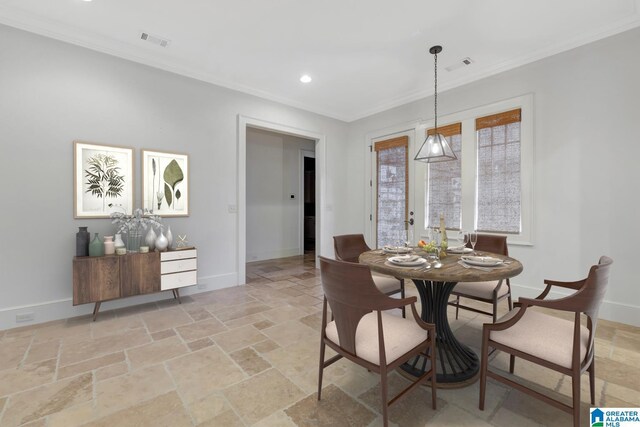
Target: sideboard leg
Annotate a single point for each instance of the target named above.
(96, 309)
(176, 294)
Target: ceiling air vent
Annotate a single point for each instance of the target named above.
(160, 41)
(462, 63)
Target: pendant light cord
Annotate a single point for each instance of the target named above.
(435, 62)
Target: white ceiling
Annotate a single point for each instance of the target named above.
(364, 56)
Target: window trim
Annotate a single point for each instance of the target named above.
(469, 161)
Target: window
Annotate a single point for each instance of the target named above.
(444, 182)
(489, 187)
(498, 173)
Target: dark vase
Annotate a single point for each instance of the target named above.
(82, 242)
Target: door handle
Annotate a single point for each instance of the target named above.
(410, 222)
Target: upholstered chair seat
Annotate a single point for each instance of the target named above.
(386, 284)
(400, 336)
(481, 289)
(543, 336)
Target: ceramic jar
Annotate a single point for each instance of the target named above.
(118, 243)
(150, 239)
(96, 247)
(169, 237)
(161, 242)
(83, 238)
(109, 245)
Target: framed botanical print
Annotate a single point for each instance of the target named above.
(165, 183)
(103, 180)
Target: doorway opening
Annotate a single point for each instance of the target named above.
(256, 237)
(309, 202)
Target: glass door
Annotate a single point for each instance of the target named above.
(391, 191)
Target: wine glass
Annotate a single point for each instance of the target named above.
(460, 239)
(473, 239)
(408, 238)
(434, 254)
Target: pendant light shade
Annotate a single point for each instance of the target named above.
(435, 147)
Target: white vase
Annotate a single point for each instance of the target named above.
(109, 245)
(118, 243)
(150, 239)
(161, 242)
(169, 237)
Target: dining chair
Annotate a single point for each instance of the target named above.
(566, 346)
(489, 292)
(362, 332)
(348, 247)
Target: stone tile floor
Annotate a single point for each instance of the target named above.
(248, 356)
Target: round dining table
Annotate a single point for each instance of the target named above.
(458, 364)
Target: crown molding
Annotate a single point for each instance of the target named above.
(96, 42)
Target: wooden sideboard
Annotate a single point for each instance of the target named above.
(99, 279)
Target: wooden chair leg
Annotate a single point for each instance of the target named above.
(510, 300)
(457, 306)
(402, 296)
(575, 382)
(484, 356)
(592, 382)
(495, 310)
(321, 367)
(383, 396)
(512, 363)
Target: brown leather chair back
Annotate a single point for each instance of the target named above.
(348, 247)
(491, 243)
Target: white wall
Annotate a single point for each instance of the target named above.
(52, 93)
(273, 174)
(586, 111)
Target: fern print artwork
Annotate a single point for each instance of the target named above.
(165, 185)
(103, 180)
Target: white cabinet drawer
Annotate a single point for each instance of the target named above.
(178, 265)
(178, 280)
(182, 254)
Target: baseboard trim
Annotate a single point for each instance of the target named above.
(609, 310)
(281, 253)
(63, 308)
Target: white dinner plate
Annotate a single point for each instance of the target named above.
(407, 260)
(459, 250)
(482, 261)
(396, 250)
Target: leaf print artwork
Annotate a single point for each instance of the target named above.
(104, 177)
(165, 178)
(167, 194)
(173, 175)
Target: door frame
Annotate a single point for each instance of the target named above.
(288, 129)
(409, 129)
(312, 154)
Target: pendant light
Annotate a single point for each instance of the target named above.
(435, 148)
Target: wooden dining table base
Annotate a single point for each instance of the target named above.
(458, 365)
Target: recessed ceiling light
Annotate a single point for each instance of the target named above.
(305, 78)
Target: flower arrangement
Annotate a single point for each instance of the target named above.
(135, 222)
